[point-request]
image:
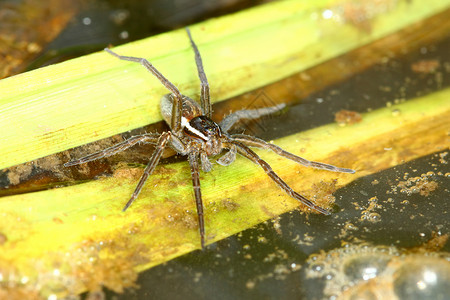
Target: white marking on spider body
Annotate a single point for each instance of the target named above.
(185, 123)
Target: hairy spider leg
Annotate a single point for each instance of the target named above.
(193, 162)
(259, 143)
(204, 85)
(246, 114)
(251, 155)
(149, 138)
(159, 149)
(177, 105)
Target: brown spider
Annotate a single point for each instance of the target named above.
(194, 134)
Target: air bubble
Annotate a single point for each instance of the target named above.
(374, 217)
(262, 239)
(124, 35)
(317, 268)
(87, 21)
(365, 267)
(350, 226)
(414, 190)
(314, 258)
(381, 272)
(427, 278)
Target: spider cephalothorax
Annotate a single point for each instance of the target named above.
(193, 133)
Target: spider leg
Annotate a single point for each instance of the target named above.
(250, 154)
(228, 158)
(143, 138)
(204, 85)
(177, 105)
(230, 120)
(159, 149)
(193, 161)
(256, 142)
(204, 162)
(177, 145)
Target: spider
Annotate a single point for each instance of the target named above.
(194, 134)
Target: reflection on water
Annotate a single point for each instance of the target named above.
(368, 272)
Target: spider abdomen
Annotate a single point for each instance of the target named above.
(190, 109)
